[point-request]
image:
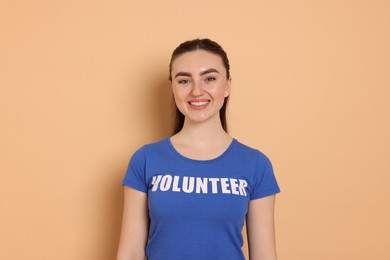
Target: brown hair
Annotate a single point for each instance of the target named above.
(210, 46)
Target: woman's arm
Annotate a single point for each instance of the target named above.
(261, 229)
(135, 226)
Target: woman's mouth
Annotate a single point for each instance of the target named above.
(199, 104)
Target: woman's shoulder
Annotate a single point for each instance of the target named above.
(250, 151)
(153, 147)
(149, 150)
(156, 144)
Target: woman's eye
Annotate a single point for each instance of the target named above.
(183, 81)
(210, 79)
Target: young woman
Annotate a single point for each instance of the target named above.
(187, 197)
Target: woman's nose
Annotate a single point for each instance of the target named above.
(197, 88)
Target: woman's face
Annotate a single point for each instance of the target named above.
(199, 85)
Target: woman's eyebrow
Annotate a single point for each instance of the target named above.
(208, 71)
(185, 74)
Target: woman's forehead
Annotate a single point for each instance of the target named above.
(197, 59)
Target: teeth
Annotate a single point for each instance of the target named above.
(198, 104)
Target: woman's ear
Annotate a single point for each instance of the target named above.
(228, 87)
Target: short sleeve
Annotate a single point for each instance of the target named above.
(135, 175)
(265, 183)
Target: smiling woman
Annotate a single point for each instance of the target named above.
(199, 86)
(213, 48)
(189, 195)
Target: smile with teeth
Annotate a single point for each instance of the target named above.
(198, 103)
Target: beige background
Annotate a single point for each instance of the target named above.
(84, 84)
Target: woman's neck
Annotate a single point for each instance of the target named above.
(200, 143)
(202, 135)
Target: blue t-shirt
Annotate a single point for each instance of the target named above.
(197, 208)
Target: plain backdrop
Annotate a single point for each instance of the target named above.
(84, 84)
